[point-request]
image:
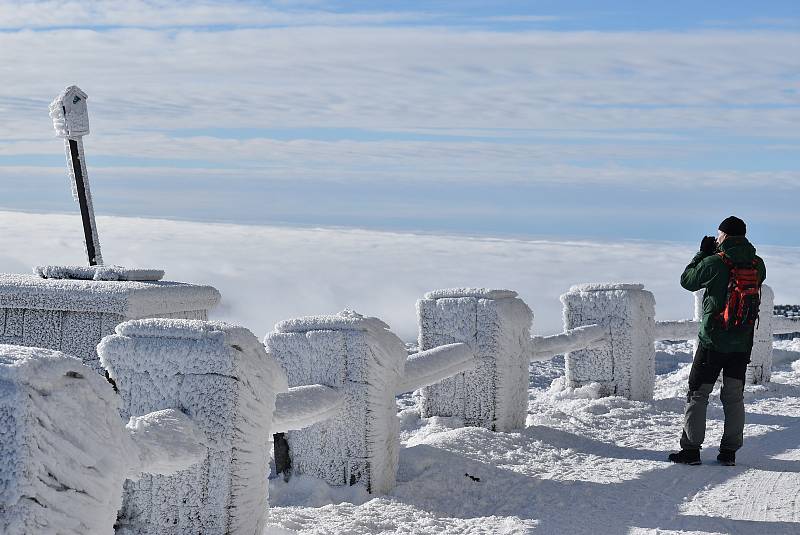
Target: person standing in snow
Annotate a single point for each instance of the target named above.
(720, 349)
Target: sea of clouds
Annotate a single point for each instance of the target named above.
(270, 273)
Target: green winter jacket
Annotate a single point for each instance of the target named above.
(710, 272)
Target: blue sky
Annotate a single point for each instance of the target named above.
(607, 120)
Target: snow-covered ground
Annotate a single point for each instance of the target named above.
(581, 465)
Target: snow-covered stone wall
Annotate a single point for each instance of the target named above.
(360, 357)
(74, 315)
(495, 324)
(624, 364)
(221, 377)
(66, 453)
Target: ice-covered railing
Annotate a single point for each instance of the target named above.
(606, 340)
(546, 347)
(305, 405)
(220, 376)
(433, 365)
(760, 368)
(65, 451)
(495, 325)
(339, 416)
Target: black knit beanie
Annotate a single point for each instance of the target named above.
(733, 226)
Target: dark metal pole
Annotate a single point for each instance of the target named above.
(283, 462)
(83, 201)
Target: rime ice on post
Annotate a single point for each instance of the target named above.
(221, 377)
(71, 121)
(625, 364)
(73, 315)
(364, 360)
(495, 324)
(760, 368)
(65, 451)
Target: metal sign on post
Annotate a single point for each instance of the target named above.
(71, 122)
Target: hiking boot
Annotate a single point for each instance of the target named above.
(691, 457)
(727, 457)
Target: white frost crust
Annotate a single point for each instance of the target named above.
(166, 441)
(98, 273)
(70, 121)
(605, 286)
(677, 330)
(760, 368)
(132, 299)
(306, 405)
(625, 365)
(479, 293)
(63, 447)
(784, 325)
(364, 360)
(495, 394)
(586, 336)
(224, 380)
(429, 367)
(347, 320)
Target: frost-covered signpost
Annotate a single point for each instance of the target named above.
(71, 122)
(71, 308)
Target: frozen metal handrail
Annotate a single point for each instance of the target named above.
(584, 337)
(432, 365)
(305, 405)
(677, 329)
(687, 329)
(784, 325)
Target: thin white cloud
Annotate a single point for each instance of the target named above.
(179, 13)
(524, 18)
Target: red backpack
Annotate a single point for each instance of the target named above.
(744, 297)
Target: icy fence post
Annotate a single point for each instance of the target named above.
(495, 324)
(361, 358)
(624, 364)
(760, 368)
(221, 376)
(66, 453)
(74, 315)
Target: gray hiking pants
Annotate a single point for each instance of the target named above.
(705, 371)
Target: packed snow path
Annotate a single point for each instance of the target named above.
(582, 464)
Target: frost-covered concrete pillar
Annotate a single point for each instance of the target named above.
(495, 324)
(72, 315)
(760, 368)
(221, 376)
(361, 358)
(623, 365)
(65, 452)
